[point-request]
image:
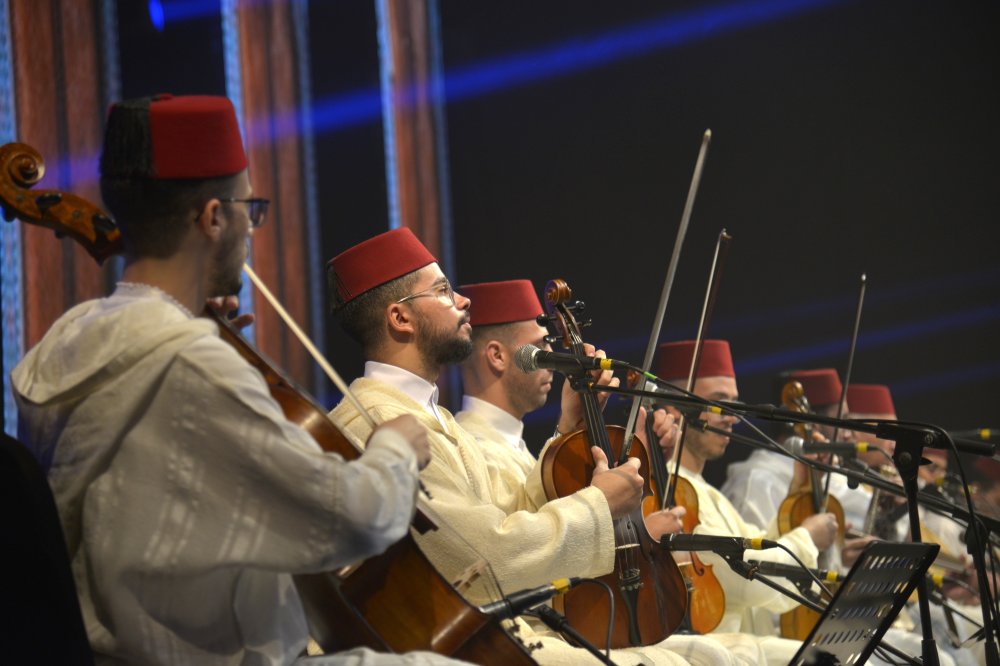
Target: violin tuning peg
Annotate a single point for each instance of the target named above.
(551, 339)
(47, 201)
(578, 307)
(545, 319)
(104, 223)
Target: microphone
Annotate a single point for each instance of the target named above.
(530, 358)
(517, 603)
(794, 573)
(723, 545)
(984, 434)
(796, 446)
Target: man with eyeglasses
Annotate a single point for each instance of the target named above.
(390, 294)
(186, 498)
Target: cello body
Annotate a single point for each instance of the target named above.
(396, 601)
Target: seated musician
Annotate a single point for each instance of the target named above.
(390, 294)
(497, 397)
(758, 485)
(186, 497)
(749, 604)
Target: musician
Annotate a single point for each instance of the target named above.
(498, 396)
(758, 485)
(874, 402)
(186, 497)
(390, 295)
(749, 604)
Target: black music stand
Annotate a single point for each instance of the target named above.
(867, 602)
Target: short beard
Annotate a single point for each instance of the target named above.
(440, 349)
(225, 280)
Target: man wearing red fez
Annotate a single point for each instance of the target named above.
(497, 397)
(758, 485)
(390, 294)
(749, 604)
(186, 498)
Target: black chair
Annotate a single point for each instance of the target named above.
(39, 611)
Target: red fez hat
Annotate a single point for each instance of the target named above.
(869, 399)
(822, 386)
(167, 137)
(195, 137)
(502, 302)
(376, 261)
(675, 360)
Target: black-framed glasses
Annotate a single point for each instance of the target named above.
(256, 209)
(441, 291)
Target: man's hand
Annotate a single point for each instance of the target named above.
(822, 528)
(622, 486)
(224, 305)
(571, 418)
(668, 521)
(852, 549)
(409, 427)
(664, 427)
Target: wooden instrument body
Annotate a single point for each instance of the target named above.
(567, 466)
(396, 601)
(706, 598)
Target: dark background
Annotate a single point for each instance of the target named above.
(849, 138)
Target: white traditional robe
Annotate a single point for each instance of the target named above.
(509, 522)
(186, 497)
(749, 604)
(758, 485)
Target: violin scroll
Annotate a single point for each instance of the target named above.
(22, 167)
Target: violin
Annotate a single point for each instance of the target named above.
(706, 598)
(396, 601)
(650, 594)
(797, 507)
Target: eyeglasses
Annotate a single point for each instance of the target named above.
(442, 291)
(256, 209)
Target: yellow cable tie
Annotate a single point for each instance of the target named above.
(561, 585)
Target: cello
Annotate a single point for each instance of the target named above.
(396, 601)
(650, 593)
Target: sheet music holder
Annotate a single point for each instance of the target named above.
(872, 594)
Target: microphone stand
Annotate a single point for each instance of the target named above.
(751, 572)
(910, 442)
(558, 622)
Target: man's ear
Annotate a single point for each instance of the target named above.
(400, 319)
(210, 221)
(497, 356)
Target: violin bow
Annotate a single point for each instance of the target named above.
(668, 284)
(847, 374)
(714, 278)
(333, 375)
